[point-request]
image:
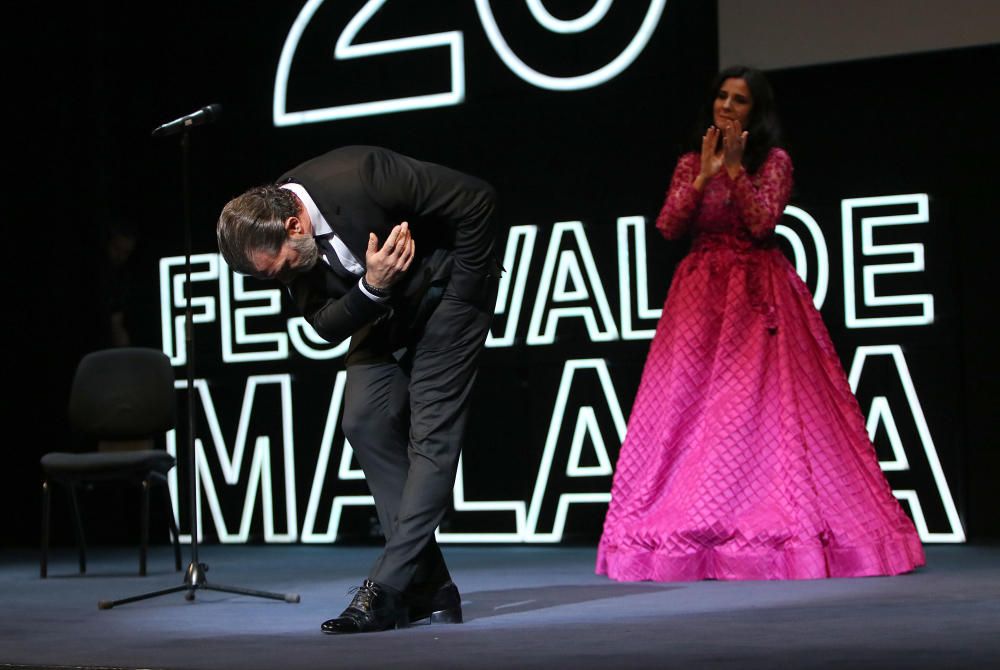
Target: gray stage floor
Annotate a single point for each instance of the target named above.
(525, 607)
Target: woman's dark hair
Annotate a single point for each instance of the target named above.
(764, 130)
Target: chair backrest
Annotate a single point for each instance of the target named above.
(123, 396)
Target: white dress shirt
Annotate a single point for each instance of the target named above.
(322, 230)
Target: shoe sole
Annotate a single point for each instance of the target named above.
(450, 615)
(401, 622)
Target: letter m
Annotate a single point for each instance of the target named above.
(229, 480)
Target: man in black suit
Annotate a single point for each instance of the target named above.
(397, 254)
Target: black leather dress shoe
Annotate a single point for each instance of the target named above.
(440, 604)
(373, 608)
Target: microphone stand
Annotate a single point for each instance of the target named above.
(194, 578)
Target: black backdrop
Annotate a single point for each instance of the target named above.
(91, 82)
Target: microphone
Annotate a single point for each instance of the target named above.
(207, 114)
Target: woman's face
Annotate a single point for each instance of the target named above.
(733, 102)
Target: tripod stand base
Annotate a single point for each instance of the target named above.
(194, 580)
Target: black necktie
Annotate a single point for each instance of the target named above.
(326, 248)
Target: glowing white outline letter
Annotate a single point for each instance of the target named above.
(567, 267)
(260, 465)
(520, 257)
(345, 49)
(548, 453)
(870, 272)
(172, 296)
(595, 78)
(577, 25)
(957, 534)
(822, 255)
(624, 279)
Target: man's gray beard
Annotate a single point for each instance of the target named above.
(308, 252)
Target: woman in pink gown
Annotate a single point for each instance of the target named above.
(746, 455)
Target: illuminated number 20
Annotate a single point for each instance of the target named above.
(346, 49)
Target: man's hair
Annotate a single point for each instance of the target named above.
(254, 222)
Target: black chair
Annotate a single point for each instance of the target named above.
(122, 399)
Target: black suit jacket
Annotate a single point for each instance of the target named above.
(363, 189)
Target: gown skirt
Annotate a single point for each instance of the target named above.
(746, 454)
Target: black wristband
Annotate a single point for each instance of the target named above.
(380, 292)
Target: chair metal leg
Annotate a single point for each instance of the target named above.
(144, 532)
(46, 496)
(175, 533)
(81, 543)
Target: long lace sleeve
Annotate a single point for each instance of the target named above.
(761, 206)
(682, 199)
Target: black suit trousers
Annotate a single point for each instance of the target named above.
(405, 416)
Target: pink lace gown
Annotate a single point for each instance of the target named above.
(746, 455)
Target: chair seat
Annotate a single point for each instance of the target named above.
(114, 463)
